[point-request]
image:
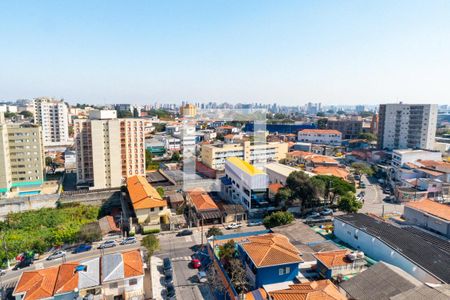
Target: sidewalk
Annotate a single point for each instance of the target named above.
(156, 277)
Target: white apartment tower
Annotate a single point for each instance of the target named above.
(407, 126)
(52, 115)
(108, 149)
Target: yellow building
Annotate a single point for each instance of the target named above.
(214, 156)
(189, 110)
(150, 209)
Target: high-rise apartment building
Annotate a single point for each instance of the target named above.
(21, 158)
(403, 126)
(108, 149)
(52, 115)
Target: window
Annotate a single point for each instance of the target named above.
(113, 285)
(132, 281)
(281, 271)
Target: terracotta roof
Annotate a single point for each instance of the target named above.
(256, 294)
(274, 187)
(322, 159)
(132, 263)
(432, 172)
(333, 258)
(320, 131)
(67, 279)
(229, 136)
(202, 200)
(107, 225)
(314, 290)
(270, 249)
(431, 207)
(299, 153)
(334, 171)
(37, 284)
(434, 163)
(142, 194)
(411, 165)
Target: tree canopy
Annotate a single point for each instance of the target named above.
(214, 231)
(368, 136)
(362, 168)
(304, 188)
(151, 243)
(278, 218)
(349, 203)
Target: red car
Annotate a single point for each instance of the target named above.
(195, 263)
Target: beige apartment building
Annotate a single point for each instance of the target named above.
(21, 158)
(108, 149)
(214, 156)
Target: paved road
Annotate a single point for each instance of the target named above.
(373, 201)
(11, 277)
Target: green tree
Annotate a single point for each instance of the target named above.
(9, 115)
(227, 251)
(304, 188)
(160, 127)
(26, 114)
(176, 156)
(124, 114)
(340, 112)
(362, 168)
(283, 197)
(90, 233)
(160, 191)
(349, 203)
(214, 231)
(334, 187)
(320, 114)
(278, 218)
(151, 243)
(322, 123)
(48, 161)
(370, 137)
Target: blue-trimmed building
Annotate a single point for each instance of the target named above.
(281, 128)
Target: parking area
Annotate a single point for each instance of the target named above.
(373, 200)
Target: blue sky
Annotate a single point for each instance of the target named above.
(288, 52)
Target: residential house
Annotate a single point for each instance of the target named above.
(204, 210)
(149, 208)
(269, 258)
(430, 215)
(340, 172)
(320, 136)
(320, 289)
(338, 263)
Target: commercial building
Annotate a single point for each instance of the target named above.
(320, 136)
(108, 149)
(278, 173)
(430, 215)
(245, 184)
(350, 127)
(402, 126)
(21, 158)
(400, 157)
(418, 253)
(53, 117)
(188, 110)
(214, 156)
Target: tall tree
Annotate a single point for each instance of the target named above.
(349, 203)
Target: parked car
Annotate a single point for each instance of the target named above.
(362, 185)
(201, 277)
(107, 244)
(313, 215)
(326, 212)
(23, 263)
(255, 223)
(233, 226)
(390, 199)
(56, 254)
(357, 177)
(170, 291)
(195, 263)
(82, 248)
(168, 278)
(128, 241)
(184, 232)
(2, 272)
(361, 194)
(167, 264)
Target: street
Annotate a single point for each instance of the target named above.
(373, 200)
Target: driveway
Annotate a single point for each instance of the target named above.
(373, 201)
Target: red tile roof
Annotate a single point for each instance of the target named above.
(333, 258)
(132, 263)
(201, 200)
(334, 171)
(67, 280)
(321, 131)
(37, 284)
(274, 187)
(314, 290)
(431, 207)
(270, 249)
(142, 194)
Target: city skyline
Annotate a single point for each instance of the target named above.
(257, 51)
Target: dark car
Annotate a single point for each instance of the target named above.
(82, 248)
(184, 232)
(168, 278)
(26, 262)
(167, 264)
(170, 291)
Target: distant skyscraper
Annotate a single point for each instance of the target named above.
(403, 126)
(52, 115)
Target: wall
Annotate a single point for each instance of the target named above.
(419, 218)
(21, 204)
(271, 275)
(378, 250)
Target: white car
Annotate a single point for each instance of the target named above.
(233, 226)
(56, 254)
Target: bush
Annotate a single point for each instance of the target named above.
(150, 231)
(214, 231)
(151, 243)
(278, 218)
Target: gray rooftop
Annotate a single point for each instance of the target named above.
(91, 277)
(379, 282)
(112, 267)
(425, 293)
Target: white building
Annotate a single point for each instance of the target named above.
(245, 184)
(278, 173)
(400, 157)
(53, 117)
(320, 136)
(403, 126)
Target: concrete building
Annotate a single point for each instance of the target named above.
(402, 126)
(401, 157)
(21, 158)
(53, 117)
(188, 110)
(214, 156)
(108, 150)
(350, 127)
(245, 184)
(320, 136)
(430, 215)
(278, 173)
